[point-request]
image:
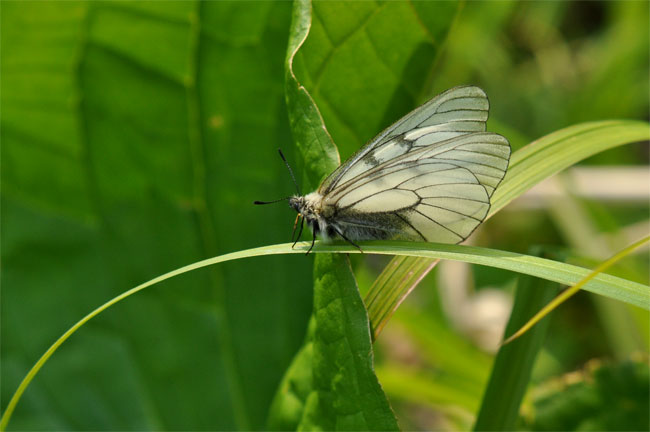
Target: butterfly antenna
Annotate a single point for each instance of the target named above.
(293, 177)
(270, 202)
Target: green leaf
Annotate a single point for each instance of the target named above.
(135, 136)
(320, 57)
(366, 64)
(289, 404)
(318, 152)
(346, 393)
(528, 166)
(610, 286)
(343, 391)
(396, 43)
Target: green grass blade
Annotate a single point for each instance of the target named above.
(559, 150)
(392, 286)
(553, 304)
(514, 362)
(611, 286)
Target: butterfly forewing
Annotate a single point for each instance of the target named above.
(484, 154)
(456, 112)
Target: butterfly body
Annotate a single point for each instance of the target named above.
(329, 221)
(428, 177)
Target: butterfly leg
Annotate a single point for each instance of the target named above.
(302, 223)
(313, 240)
(347, 239)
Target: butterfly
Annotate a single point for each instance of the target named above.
(428, 177)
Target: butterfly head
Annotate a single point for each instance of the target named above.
(297, 203)
(308, 206)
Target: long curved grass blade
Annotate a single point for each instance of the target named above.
(528, 166)
(564, 296)
(604, 284)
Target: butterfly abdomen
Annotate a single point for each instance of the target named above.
(367, 226)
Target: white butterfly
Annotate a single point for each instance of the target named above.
(428, 177)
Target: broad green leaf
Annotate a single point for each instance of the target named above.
(528, 166)
(343, 390)
(366, 64)
(135, 136)
(289, 403)
(346, 393)
(327, 45)
(318, 152)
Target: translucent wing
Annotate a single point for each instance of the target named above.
(437, 192)
(458, 111)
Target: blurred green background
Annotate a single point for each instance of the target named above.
(135, 137)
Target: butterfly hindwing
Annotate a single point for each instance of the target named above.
(431, 201)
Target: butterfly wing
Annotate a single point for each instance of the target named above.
(456, 112)
(439, 191)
